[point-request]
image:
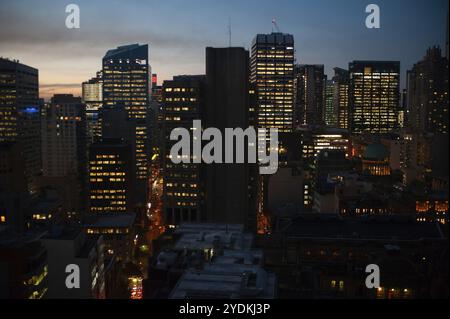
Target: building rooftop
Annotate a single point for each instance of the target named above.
(9, 64)
(63, 233)
(226, 282)
(10, 239)
(390, 227)
(128, 51)
(89, 245)
(274, 37)
(376, 151)
(113, 220)
(208, 236)
(217, 261)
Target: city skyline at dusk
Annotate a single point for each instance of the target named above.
(229, 156)
(178, 33)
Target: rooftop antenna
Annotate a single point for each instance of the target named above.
(275, 25)
(229, 32)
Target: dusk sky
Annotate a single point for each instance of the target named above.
(328, 32)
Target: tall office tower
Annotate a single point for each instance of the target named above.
(309, 94)
(341, 81)
(117, 125)
(272, 71)
(183, 101)
(20, 114)
(64, 150)
(64, 136)
(92, 97)
(427, 85)
(330, 116)
(403, 112)
(126, 81)
(230, 189)
(374, 96)
(111, 176)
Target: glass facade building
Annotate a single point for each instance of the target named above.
(374, 96)
(92, 96)
(126, 82)
(272, 71)
(340, 99)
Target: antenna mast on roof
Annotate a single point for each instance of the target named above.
(275, 25)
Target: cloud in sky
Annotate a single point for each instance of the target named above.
(326, 31)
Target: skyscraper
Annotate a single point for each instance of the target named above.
(64, 150)
(230, 193)
(110, 176)
(183, 101)
(92, 97)
(427, 90)
(272, 71)
(20, 114)
(374, 96)
(309, 95)
(340, 101)
(126, 81)
(64, 136)
(330, 115)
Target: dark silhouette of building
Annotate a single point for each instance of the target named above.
(325, 256)
(341, 81)
(20, 114)
(14, 196)
(23, 266)
(329, 115)
(230, 191)
(427, 85)
(309, 94)
(64, 150)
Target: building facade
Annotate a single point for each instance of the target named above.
(427, 97)
(20, 114)
(272, 71)
(110, 177)
(92, 97)
(309, 96)
(374, 96)
(183, 101)
(126, 82)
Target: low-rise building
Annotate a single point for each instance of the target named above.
(23, 265)
(326, 255)
(72, 247)
(209, 261)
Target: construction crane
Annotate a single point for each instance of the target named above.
(229, 32)
(275, 25)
